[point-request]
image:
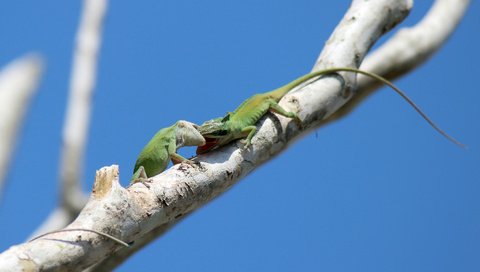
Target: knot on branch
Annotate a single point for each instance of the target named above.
(104, 179)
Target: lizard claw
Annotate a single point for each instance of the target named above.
(246, 144)
(189, 162)
(143, 181)
(146, 182)
(192, 163)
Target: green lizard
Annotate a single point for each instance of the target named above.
(241, 122)
(162, 148)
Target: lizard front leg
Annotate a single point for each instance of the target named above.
(177, 158)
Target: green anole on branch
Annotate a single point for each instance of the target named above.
(241, 122)
(153, 160)
(162, 148)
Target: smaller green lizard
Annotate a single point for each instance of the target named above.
(162, 148)
(241, 122)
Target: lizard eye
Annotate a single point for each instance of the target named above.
(226, 118)
(221, 132)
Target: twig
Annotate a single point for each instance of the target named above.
(116, 240)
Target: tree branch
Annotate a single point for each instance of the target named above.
(80, 102)
(75, 133)
(407, 49)
(18, 83)
(134, 212)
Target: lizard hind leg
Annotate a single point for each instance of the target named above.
(140, 176)
(274, 107)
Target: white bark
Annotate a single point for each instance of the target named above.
(82, 83)
(139, 214)
(18, 83)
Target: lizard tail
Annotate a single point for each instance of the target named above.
(280, 92)
(404, 96)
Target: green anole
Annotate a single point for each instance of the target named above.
(162, 148)
(241, 122)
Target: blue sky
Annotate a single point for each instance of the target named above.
(377, 191)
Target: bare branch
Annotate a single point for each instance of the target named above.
(407, 49)
(80, 102)
(18, 82)
(132, 213)
(82, 83)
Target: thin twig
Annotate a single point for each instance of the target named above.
(87, 230)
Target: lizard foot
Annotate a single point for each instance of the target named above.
(191, 162)
(144, 181)
(296, 119)
(298, 122)
(246, 144)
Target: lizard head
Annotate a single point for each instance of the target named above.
(186, 134)
(216, 133)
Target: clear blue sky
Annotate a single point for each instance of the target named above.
(377, 191)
